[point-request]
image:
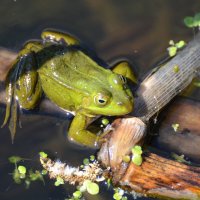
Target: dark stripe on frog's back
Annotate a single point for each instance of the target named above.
(77, 66)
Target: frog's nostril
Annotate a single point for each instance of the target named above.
(119, 103)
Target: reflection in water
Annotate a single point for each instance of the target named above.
(139, 29)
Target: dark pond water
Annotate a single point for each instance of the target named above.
(138, 30)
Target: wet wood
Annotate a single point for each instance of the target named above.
(163, 178)
(6, 58)
(113, 151)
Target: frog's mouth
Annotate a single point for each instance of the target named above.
(122, 108)
(114, 109)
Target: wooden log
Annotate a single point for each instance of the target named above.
(163, 178)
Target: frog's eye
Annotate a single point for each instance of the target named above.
(101, 99)
(123, 79)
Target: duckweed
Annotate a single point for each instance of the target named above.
(59, 181)
(192, 22)
(137, 155)
(175, 127)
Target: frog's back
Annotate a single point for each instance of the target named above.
(72, 74)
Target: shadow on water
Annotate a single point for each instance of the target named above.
(137, 29)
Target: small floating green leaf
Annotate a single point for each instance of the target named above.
(192, 22)
(92, 188)
(105, 121)
(59, 181)
(189, 22)
(35, 175)
(137, 150)
(137, 160)
(175, 127)
(180, 44)
(86, 161)
(117, 196)
(44, 172)
(16, 176)
(43, 154)
(92, 157)
(15, 159)
(22, 169)
(172, 51)
(137, 155)
(171, 43)
(77, 194)
(197, 19)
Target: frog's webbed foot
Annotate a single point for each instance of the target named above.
(11, 104)
(124, 68)
(22, 85)
(57, 37)
(78, 133)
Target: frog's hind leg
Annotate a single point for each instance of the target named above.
(22, 85)
(124, 68)
(78, 133)
(59, 37)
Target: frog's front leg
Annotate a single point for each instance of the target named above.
(78, 133)
(22, 85)
(124, 68)
(58, 37)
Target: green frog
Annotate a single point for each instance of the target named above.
(72, 77)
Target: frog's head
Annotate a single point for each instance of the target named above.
(113, 98)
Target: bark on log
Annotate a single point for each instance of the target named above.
(163, 178)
